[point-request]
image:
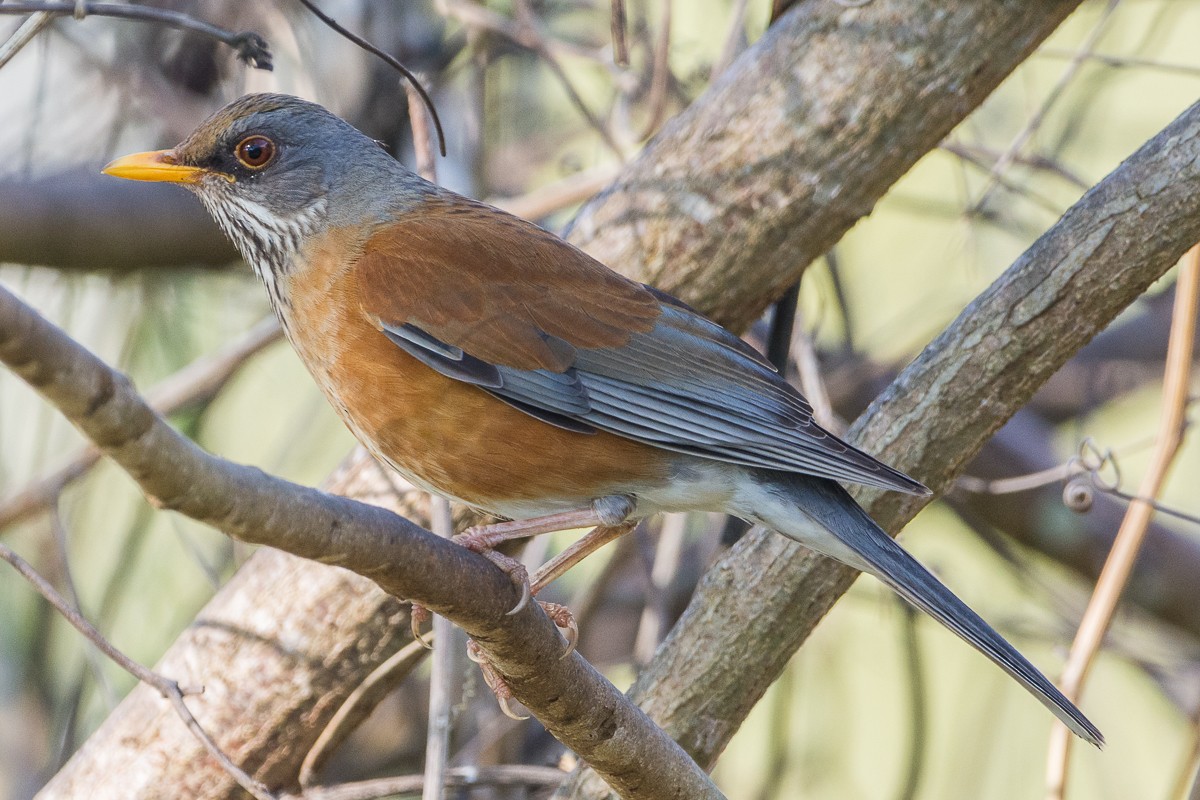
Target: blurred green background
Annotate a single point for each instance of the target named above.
(840, 723)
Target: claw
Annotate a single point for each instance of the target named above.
(572, 637)
(508, 712)
(525, 595)
(494, 680)
(561, 616)
(417, 617)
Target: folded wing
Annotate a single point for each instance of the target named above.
(549, 330)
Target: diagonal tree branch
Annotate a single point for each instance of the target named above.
(767, 594)
(865, 92)
(569, 696)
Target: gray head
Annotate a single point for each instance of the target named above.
(272, 169)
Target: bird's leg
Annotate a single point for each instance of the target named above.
(607, 513)
(603, 511)
(583, 547)
(553, 569)
(611, 510)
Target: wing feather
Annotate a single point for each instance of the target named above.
(547, 329)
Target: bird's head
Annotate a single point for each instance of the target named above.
(270, 168)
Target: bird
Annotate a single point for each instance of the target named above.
(489, 361)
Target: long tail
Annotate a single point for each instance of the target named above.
(821, 515)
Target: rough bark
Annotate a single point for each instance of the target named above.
(798, 139)
(778, 178)
(576, 704)
(767, 594)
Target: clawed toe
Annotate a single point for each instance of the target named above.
(494, 680)
(481, 543)
(565, 620)
(417, 617)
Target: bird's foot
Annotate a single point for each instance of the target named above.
(494, 680)
(477, 540)
(418, 615)
(561, 616)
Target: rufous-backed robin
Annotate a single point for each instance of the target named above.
(491, 362)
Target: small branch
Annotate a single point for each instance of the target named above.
(524, 33)
(391, 61)
(250, 47)
(23, 35)
(655, 619)
(426, 166)
(914, 668)
(441, 679)
(359, 705)
(1035, 122)
(619, 24)
(200, 379)
(545, 200)
(568, 695)
(1114, 577)
(168, 688)
(456, 778)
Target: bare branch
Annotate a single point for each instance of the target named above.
(766, 595)
(405, 560)
(456, 778)
(195, 382)
(250, 47)
(168, 688)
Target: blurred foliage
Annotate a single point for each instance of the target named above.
(840, 724)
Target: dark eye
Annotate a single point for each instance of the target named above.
(255, 152)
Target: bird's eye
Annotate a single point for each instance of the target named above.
(255, 152)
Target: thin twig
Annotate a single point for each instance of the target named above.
(250, 47)
(23, 35)
(919, 703)
(545, 200)
(441, 679)
(735, 40)
(366, 696)
(813, 385)
(200, 379)
(1114, 576)
(1035, 122)
(168, 688)
(422, 146)
(456, 778)
(524, 33)
(1121, 61)
(985, 156)
(390, 60)
(619, 23)
(660, 77)
(653, 624)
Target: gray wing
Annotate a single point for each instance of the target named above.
(687, 385)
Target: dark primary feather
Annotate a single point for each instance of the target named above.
(833, 508)
(676, 389)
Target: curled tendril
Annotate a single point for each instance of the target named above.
(1079, 493)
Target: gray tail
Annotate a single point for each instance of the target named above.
(851, 536)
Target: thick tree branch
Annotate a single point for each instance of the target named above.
(82, 220)
(852, 97)
(571, 699)
(767, 594)
(798, 139)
